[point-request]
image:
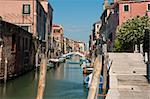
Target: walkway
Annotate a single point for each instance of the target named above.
(127, 77)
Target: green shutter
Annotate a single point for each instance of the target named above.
(126, 7)
(29, 9)
(148, 7)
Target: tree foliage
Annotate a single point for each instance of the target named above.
(131, 33)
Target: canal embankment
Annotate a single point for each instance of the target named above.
(128, 77)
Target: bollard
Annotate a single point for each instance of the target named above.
(146, 57)
(136, 49)
(141, 48)
(5, 73)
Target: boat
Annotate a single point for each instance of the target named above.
(68, 57)
(85, 63)
(50, 65)
(59, 60)
(88, 80)
(54, 60)
(87, 70)
(73, 62)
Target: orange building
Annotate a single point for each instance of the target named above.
(117, 13)
(129, 9)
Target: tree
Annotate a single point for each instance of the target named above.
(131, 33)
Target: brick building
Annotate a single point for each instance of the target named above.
(34, 16)
(16, 47)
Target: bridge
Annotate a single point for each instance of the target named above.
(74, 53)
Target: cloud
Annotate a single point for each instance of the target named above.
(72, 28)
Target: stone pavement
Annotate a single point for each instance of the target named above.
(128, 77)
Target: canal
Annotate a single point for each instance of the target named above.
(63, 82)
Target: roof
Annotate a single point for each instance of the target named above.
(133, 1)
(57, 25)
(98, 22)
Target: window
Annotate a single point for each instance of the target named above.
(25, 28)
(26, 8)
(97, 26)
(56, 31)
(126, 8)
(148, 7)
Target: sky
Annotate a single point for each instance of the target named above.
(77, 16)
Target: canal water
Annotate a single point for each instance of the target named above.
(63, 82)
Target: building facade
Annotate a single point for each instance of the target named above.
(58, 34)
(16, 49)
(28, 14)
(130, 9)
(34, 16)
(48, 37)
(117, 13)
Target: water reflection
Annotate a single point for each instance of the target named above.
(21, 88)
(63, 82)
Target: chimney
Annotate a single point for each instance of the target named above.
(105, 4)
(114, 1)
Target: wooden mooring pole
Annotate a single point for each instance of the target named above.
(105, 69)
(105, 75)
(5, 71)
(0, 58)
(93, 90)
(42, 78)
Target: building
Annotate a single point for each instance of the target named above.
(130, 9)
(117, 13)
(96, 28)
(91, 44)
(81, 47)
(71, 45)
(110, 21)
(34, 16)
(28, 14)
(48, 37)
(58, 34)
(16, 49)
(65, 45)
(94, 37)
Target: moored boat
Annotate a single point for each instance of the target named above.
(88, 80)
